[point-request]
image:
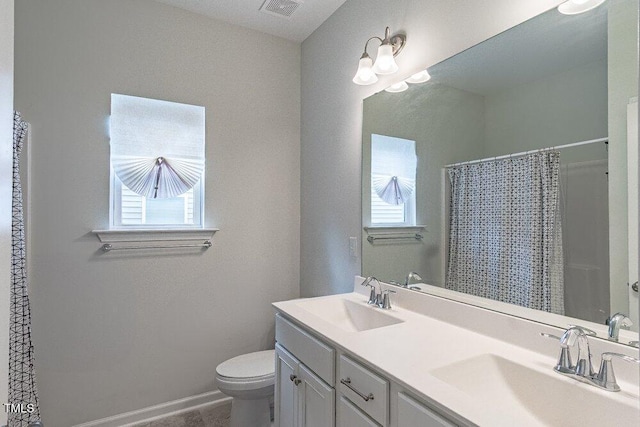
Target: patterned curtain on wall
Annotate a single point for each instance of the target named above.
(505, 238)
(22, 384)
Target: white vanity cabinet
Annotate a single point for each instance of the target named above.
(366, 391)
(349, 415)
(412, 413)
(302, 397)
(318, 386)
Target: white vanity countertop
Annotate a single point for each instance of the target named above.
(409, 352)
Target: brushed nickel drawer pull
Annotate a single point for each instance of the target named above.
(347, 382)
(295, 379)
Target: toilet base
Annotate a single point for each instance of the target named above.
(250, 413)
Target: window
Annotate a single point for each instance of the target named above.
(393, 181)
(157, 163)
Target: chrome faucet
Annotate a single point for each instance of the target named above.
(616, 322)
(583, 369)
(378, 299)
(374, 296)
(583, 366)
(411, 276)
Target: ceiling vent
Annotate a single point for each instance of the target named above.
(282, 8)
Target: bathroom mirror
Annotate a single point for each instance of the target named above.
(554, 84)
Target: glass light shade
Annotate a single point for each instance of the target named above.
(574, 7)
(365, 75)
(421, 77)
(397, 87)
(385, 64)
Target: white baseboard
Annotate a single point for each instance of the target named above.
(160, 411)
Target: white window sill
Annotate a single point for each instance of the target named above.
(154, 235)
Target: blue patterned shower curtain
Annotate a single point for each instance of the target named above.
(505, 235)
(23, 394)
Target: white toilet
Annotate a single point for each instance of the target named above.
(250, 380)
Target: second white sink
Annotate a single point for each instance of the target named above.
(530, 397)
(349, 315)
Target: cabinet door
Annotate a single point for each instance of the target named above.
(350, 416)
(412, 413)
(316, 400)
(285, 399)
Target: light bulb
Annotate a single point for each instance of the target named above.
(574, 7)
(385, 64)
(365, 75)
(420, 77)
(397, 87)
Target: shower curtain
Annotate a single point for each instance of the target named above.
(505, 240)
(23, 394)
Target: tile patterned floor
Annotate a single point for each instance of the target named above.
(211, 416)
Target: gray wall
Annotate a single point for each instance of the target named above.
(6, 149)
(119, 332)
(332, 110)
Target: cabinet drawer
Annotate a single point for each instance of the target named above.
(350, 416)
(365, 389)
(309, 350)
(412, 413)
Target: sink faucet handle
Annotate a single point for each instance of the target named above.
(564, 364)
(386, 302)
(373, 295)
(617, 321)
(606, 378)
(553, 337)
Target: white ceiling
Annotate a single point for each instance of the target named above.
(246, 13)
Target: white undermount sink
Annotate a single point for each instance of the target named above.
(348, 315)
(532, 397)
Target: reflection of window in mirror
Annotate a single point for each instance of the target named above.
(393, 181)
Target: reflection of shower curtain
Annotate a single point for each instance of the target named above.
(22, 384)
(505, 238)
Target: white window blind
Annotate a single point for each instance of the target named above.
(157, 163)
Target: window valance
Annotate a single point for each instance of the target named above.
(157, 147)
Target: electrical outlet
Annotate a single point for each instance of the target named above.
(353, 247)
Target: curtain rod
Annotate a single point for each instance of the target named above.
(524, 153)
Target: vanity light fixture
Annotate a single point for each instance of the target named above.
(398, 87)
(365, 75)
(385, 63)
(419, 77)
(574, 7)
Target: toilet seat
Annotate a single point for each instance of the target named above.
(247, 372)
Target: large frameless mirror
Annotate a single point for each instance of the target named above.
(509, 179)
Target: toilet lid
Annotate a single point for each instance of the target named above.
(251, 365)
